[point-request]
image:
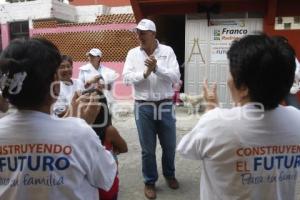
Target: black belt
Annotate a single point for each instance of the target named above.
(155, 102)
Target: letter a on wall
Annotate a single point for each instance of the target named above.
(196, 45)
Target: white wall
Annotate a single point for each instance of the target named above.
(39, 9)
(45, 9)
(121, 10)
(90, 13)
(287, 20)
(64, 11)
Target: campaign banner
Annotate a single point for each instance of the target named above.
(222, 34)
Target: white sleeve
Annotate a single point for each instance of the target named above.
(197, 143)
(190, 145)
(81, 76)
(130, 76)
(297, 72)
(80, 85)
(100, 164)
(112, 77)
(103, 168)
(171, 72)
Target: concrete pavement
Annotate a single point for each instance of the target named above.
(131, 181)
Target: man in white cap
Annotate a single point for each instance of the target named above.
(93, 71)
(152, 69)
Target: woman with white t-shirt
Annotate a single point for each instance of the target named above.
(251, 151)
(42, 157)
(108, 134)
(68, 85)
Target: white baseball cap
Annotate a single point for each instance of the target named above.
(146, 25)
(94, 52)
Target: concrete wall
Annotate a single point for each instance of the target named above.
(39, 9)
(45, 9)
(90, 13)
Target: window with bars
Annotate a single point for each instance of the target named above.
(287, 25)
(279, 20)
(19, 30)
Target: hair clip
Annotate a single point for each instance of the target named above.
(3, 80)
(15, 84)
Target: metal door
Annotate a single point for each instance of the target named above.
(205, 52)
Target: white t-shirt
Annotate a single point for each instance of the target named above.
(157, 86)
(87, 72)
(296, 85)
(51, 158)
(66, 94)
(297, 72)
(244, 156)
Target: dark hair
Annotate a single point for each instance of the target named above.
(39, 59)
(265, 65)
(67, 58)
(103, 119)
(280, 38)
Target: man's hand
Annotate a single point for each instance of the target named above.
(84, 106)
(95, 79)
(210, 95)
(150, 63)
(99, 86)
(91, 109)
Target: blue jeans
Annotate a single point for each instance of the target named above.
(156, 119)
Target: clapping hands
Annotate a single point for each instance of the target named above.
(150, 63)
